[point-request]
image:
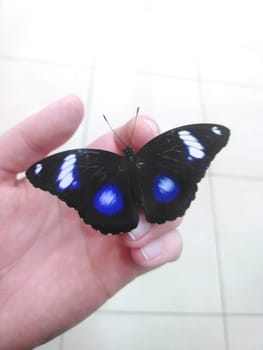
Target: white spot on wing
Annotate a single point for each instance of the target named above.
(64, 171)
(38, 168)
(196, 153)
(216, 130)
(66, 175)
(68, 160)
(194, 144)
(194, 147)
(66, 181)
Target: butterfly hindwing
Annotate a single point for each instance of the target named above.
(95, 182)
(171, 165)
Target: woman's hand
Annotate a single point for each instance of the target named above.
(54, 269)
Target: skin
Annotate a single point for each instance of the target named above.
(55, 270)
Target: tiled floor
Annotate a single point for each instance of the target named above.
(181, 62)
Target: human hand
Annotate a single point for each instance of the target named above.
(54, 269)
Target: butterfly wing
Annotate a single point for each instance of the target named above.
(94, 182)
(171, 165)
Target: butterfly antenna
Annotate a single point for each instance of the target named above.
(134, 124)
(114, 132)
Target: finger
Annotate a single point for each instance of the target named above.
(152, 244)
(146, 232)
(137, 132)
(37, 135)
(144, 130)
(165, 248)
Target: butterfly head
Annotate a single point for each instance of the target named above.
(128, 151)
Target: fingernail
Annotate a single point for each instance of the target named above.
(153, 126)
(151, 250)
(141, 230)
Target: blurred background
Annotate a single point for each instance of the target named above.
(181, 62)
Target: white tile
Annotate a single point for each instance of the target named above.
(245, 332)
(172, 102)
(189, 285)
(229, 40)
(51, 345)
(27, 87)
(153, 332)
(240, 109)
(238, 205)
(156, 36)
(60, 31)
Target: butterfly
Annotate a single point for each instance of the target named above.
(108, 189)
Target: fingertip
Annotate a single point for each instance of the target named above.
(140, 234)
(63, 116)
(68, 110)
(152, 124)
(74, 104)
(137, 134)
(146, 232)
(166, 248)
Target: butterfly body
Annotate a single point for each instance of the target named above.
(107, 189)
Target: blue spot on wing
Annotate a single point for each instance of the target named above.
(165, 188)
(108, 200)
(67, 175)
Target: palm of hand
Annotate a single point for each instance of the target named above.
(53, 257)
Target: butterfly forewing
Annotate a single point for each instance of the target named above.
(95, 182)
(171, 165)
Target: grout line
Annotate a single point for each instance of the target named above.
(236, 177)
(61, 342)
(89, 100)
(219, 265)
(216, 237)
(202, 101)
(45, 62)
(145, 73)
(232, 84)
(201, 80)
(197, 61)
(205, 119)
(181, 314)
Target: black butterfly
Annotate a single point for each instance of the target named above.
(107, 188)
